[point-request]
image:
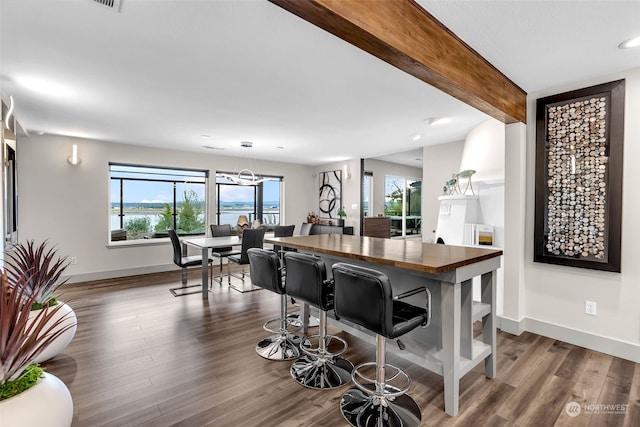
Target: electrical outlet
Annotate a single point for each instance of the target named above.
(74, 260)
(590, 308)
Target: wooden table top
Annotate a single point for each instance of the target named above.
(410, 254)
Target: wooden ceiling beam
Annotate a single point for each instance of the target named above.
(406, 36)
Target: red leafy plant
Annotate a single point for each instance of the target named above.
(31, 275)
(43, 268)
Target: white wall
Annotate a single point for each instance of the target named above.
(555, 295)
(484, 151)
(69, 204)
(439, 163)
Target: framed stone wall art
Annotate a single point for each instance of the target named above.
(330, 194)
(578, 195)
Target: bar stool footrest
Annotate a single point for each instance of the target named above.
(310, 346)
(292, 326)
(396, 381)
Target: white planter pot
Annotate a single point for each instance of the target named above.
(46, 404)
(60, 343)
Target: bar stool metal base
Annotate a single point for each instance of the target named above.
(284, 344)
(279, 347)
(366, 410)
(322, 373)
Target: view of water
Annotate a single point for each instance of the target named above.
(226, 217)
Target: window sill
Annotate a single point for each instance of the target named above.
(141, 242)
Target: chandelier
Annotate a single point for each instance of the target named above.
(246, 176)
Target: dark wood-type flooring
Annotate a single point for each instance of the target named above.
(142, 357)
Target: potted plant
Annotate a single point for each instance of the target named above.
(42, 268)
(23, 384)
(342, 214)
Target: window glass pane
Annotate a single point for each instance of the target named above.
(403, 204)
(271, 203)
(235, 200)
(413, 196)
(190, 208)
(366, 195)
(393, 202)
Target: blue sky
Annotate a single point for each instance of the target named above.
(162, 192)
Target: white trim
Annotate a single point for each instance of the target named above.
(114, 274)
(512, 326)
(623, 349)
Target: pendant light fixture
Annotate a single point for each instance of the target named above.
(246, 176)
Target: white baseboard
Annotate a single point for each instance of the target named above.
(114, 274)
(512, 326)
(623, 349)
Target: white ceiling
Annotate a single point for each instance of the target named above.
(163, 73)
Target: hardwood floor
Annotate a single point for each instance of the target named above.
(142, 357)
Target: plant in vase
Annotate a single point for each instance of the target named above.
(42, 268)
(342, 214)
(23, 384)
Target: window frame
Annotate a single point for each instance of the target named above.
(198, 176)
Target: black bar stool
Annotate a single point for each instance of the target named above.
(364, 296)
(266, 273)
(321, 367)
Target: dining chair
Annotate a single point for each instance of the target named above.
(222, 230)
(282, 231)
(251, 238)
(183, 261)
(305, 229)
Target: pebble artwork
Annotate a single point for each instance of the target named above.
(577, 179)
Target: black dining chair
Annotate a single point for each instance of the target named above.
(183, 261)
(251, 238)
(282, 231)
(222, 230)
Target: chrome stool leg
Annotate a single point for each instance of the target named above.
(283, 344)
(378, 401)
(321, 368)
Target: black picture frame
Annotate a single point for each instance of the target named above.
(330, 194)
(578, 181)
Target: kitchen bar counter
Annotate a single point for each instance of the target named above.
(447, 347)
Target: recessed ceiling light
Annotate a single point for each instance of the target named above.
(416, 137)
(634, 42)
(205, 136)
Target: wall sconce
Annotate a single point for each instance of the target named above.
(6, 119)
(74, 159)
(347, 174)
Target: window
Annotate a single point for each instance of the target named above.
(367, 194)
(403, 200)
(147, 200)
(260, 201)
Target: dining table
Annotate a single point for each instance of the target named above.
(205, 244)
(448, 346)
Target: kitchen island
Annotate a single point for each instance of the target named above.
(447, 347)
